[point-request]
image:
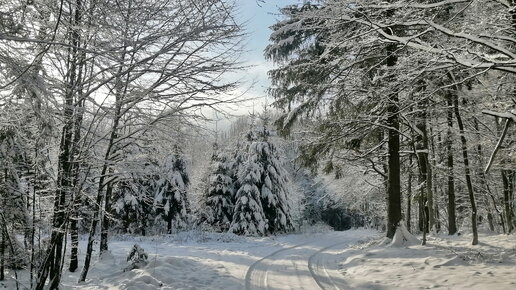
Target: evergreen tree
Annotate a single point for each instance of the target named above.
(133, 203)
(248, 217)
(172, 198)
(134, 193)
(237, 166)
(261, 202)
(273, 183)
(220, 192)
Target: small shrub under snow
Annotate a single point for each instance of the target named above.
(137, 258)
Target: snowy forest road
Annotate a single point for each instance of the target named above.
(311, 265)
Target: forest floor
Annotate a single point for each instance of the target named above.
(356, 259)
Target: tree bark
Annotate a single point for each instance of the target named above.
(93, 227)
(467, 170)
(507, 200)
(54, 257)
(409, 195)
(423, 149)
(2, 255)
(106, 217)
(2, 243)
(393, 143)
(452, 219)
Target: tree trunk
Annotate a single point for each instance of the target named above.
(393, 144)
(2, 243)
(2, 254)
(393, 186)
(409, 195)
(76, 199)
(97, 208)
(169, 225)
(467, 170)
(74, 237)
(422, 149)
(452, 219)
(93, 227)
(430, 196)
(421, 209)
(483, 179)
(54, 257)
(120, 91)
(436, 155)
(52, 263)
(106, 217)
(512, 180)
(106, 170)
(507, 200)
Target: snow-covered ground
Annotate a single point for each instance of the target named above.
(355, 259)
(444, 263)
(197, 260)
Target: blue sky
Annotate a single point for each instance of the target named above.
(258, 18)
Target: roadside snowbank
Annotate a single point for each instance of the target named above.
(445, 262)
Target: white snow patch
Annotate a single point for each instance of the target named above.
(449, 262)
(403, 237)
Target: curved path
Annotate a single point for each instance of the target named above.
(310, 265)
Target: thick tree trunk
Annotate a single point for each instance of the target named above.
(467, 170)
(452, 219)
(74, 242)
(393, 144)
(394, 187)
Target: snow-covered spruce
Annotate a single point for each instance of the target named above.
(262, 197)
(137, 258)
(237, 164)
(218, 201)
(248, 217)
(133, 204)
(171, 201)
(274, 188)
(134, 194)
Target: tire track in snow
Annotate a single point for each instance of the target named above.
(259, 269)
(317, 265)
(309, 265)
